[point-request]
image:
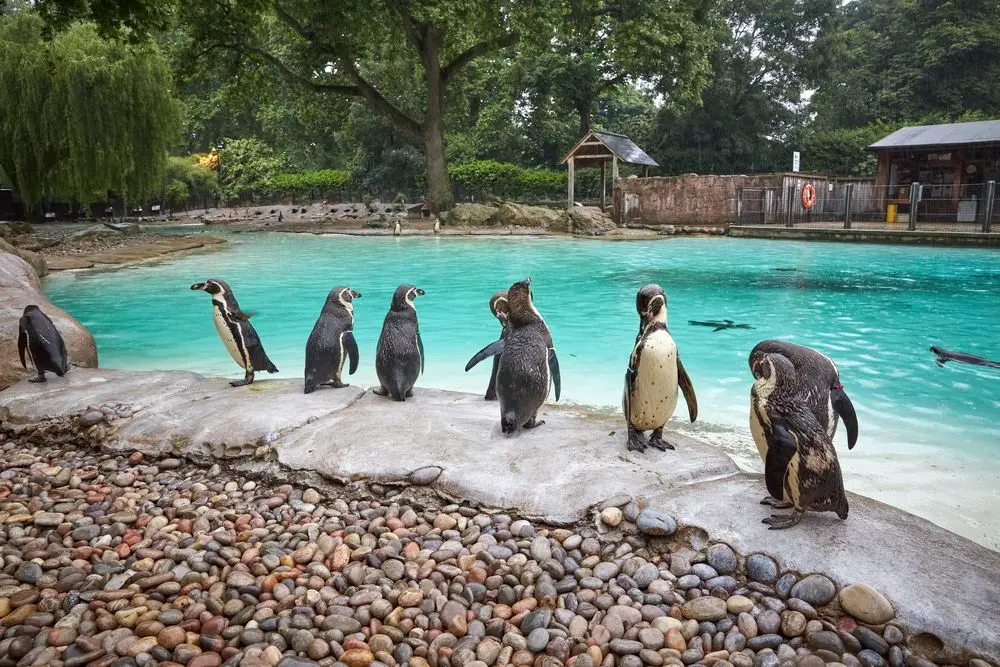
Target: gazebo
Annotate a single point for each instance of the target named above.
(601, 146)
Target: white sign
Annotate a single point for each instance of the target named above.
(795, 160)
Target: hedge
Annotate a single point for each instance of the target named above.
(489, 178)
(309, 183)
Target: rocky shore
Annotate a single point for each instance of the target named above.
(124, 559)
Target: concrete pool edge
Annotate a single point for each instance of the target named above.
(562, 473)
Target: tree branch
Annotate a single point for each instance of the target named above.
(292, 75)
(411, 28)
(449, 71)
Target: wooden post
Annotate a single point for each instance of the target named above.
(848, 195)
(614, 169)
(604, 184)
(739, 205)
(989, 204)
(569, 204)
(914, 205)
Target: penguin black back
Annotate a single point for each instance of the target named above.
(39, 339)
(332, 341)
(399, 357)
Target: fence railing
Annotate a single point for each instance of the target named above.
(971, 207)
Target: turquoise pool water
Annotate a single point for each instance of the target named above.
(874, 309)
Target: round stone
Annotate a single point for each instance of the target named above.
(28, 573)
(655, 523)
(738, 604)
(538, 639)
(723, 558)
(768, 622)
(612, 516)
(793, 623)
(815, 589)
(866, 604)
(651, 638)
(762, 568)
(705, 608)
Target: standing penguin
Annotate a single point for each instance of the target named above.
(801, 468)
(38, 336)
(399, 358)
(654, 374)
(819, 379)
(236, 332)
(501, 310)
(397, 230)
(332, 341)
(528, 363)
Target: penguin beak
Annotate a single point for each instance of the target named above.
(199, 286)
(420, 292)
(355, 295)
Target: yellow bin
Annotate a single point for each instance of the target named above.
(890, 213)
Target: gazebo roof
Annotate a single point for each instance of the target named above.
(601, 145)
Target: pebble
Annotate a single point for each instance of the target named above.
(871, 640)
(723, 558)
(815, 589)
(864, 603)
(538, 639)
(612, 516)
(706, 608)
(768, 622)
(655, 523)
(738, 604)
(762, 568)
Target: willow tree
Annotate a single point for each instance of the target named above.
(81, 115)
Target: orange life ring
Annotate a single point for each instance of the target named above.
(808, 196)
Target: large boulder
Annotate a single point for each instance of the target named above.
(520, 215)
(590, 221)
(36, 261)
(20, 287)
(9, 230)
(469, 215)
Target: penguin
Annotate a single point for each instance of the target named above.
(801, 469)
(528, 363)
(437, 225)
(820, 379)
(236, 332)
(398, 229)
(399, 358)
(654, 374)
(38, 336)
(332, 342)
(500, 309)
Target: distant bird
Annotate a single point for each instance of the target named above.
(38, 338)
(719, 326)
(236, 332)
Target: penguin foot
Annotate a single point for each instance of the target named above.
(38, 378)
(533, 423)
(381, 391)
(657, 442)
(240, 383)
(780, 521)
(336, 384)
(409, 393)
(635, 442)
(775, 503)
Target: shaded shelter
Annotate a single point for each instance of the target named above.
(600, 146)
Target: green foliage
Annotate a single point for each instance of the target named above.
(501, 180)
(184, 180)
(247, 167)
(843, 152)
(82, 115)
(309, 184)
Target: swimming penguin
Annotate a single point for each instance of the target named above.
(654, 374)
(399, 358)
(820, 380)
(236, 332)
(332, 342)
(801, 468)
(528, 363)
(500, 309)
(38, 336)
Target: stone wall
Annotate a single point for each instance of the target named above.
(680, 200)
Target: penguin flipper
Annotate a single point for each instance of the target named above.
(494, 348)
(842, 406)
(420, 346)
(781, 447)
(554, 370)
(627, 397)
(22, 343)
(720, 328)
(351, 346)
(684, 381)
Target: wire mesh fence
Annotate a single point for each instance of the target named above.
(970, 207)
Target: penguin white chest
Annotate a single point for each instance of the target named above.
(759, 395)
(226, 334)
(654, 391)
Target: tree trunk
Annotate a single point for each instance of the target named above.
(583, 110)
(439, 195)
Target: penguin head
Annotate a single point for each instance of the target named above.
(30, 309)
(500, 306)
(213, 286)
(520, 305)
(341, 297)
(651, 304)
(404, 296)
(771, 367)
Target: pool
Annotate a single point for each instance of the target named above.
(874, 309)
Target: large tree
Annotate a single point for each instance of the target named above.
(81, 114)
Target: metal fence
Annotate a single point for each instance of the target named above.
(973, 207)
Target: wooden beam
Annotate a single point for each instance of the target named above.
(595, 156)
(569, 203)
(614, 168)
(604, 185)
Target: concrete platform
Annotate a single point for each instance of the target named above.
(937, 581)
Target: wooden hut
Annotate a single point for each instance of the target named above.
(600, 146)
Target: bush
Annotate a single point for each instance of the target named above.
(308, 184)
(184, 179)
(489, 178)
(246, 167)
